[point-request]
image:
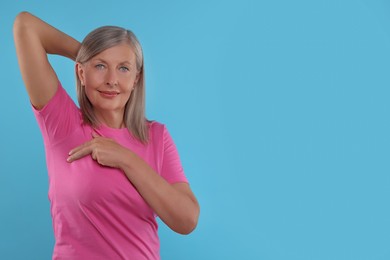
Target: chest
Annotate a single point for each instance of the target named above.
(86, 183)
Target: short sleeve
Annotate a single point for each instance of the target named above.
(171, 169)
(58, 118)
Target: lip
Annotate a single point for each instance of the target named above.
(108, 94)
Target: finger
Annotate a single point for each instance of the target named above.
(84, 151)
(78, 148)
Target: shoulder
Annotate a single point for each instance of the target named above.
(156, 127)
(59, 117)
(157, 132)
(60, 103)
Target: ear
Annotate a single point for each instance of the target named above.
(80, 72)
(137, 77)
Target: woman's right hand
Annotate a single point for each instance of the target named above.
(34, 39)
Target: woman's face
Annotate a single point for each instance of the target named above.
(109, 78)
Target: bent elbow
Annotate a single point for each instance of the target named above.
(189, 225)
(23, 24)
(188, 228)
(21, 20)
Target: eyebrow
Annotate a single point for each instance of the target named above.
(102, 60)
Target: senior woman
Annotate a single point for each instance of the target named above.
(111, 171)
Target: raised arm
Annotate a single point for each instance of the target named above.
(34, 39)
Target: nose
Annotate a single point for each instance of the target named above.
(111, 78)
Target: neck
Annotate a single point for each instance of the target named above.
(111, 119)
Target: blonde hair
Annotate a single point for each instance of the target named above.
(97, 41)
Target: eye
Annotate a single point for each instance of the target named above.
(99, 66)
(124, 69)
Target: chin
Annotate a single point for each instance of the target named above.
(108, 108)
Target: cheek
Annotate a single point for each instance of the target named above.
(89, 94)
(91, 84)
(92, 79)
(90, 87)
(126, 96)
(127, 85)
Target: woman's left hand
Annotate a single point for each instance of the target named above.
(105, 151)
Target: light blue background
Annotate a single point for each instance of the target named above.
(280, 111)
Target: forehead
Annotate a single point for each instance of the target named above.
(117, 54)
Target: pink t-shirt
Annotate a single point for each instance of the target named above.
(97, 213)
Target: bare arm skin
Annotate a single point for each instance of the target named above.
(175, 204)
(34, 39)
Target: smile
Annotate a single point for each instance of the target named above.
(108, 94)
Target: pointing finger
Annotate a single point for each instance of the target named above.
(76, 149)
(79, 152)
